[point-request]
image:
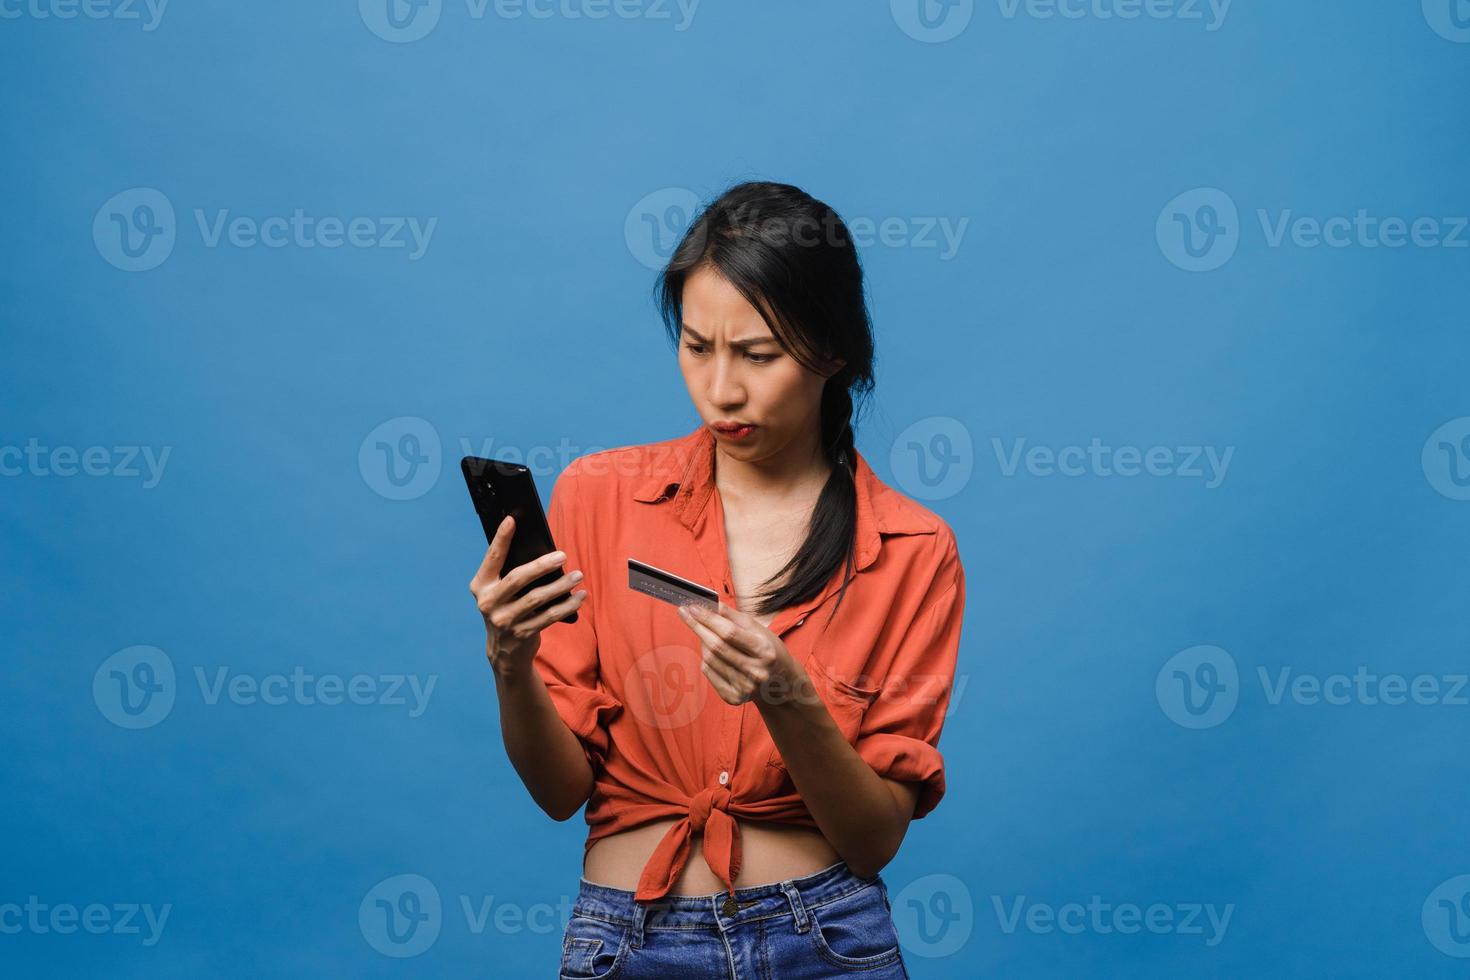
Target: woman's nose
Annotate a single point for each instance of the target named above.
(725, 387)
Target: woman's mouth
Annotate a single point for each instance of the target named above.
(733, 431)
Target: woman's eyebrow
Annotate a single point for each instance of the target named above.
(743, 342)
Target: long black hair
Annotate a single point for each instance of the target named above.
(793, 259)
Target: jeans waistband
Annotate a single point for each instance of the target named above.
(793, 896)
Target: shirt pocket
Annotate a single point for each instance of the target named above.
(846, 702)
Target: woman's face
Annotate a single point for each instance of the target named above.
(736, 371)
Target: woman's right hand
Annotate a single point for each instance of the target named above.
(513, 626)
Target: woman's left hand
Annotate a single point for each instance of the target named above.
(742, 658)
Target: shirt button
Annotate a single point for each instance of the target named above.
(724, 776)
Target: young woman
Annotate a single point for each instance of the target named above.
(748, 770)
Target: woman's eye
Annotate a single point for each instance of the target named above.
(753, 358)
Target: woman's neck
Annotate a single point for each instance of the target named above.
(801, 471)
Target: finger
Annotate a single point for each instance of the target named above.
(727, 672)
(523, 575)
(709, 618)
(489, 569)
(690, 614)
(553, 613)
(723, 689)
(729, 622)
(747, 626)
(543, 594)
(736, 641)
(712, 641)
(737, 616)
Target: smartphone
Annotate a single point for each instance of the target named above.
(499, 488)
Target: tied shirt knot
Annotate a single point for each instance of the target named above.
(707, 814)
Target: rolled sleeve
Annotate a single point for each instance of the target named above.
(899, 736)
(568, 659)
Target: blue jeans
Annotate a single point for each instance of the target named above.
(830, 923)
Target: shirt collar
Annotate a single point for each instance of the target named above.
(685, 473)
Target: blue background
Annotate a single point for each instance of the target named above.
(271, 543)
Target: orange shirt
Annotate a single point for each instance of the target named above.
(626, 676)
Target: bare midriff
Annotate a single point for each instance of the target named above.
(769, 853)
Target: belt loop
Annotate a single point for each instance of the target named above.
(640, 912)
(803, 921)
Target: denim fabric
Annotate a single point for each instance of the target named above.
(830, 923)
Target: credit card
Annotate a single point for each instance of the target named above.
(671, 588)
